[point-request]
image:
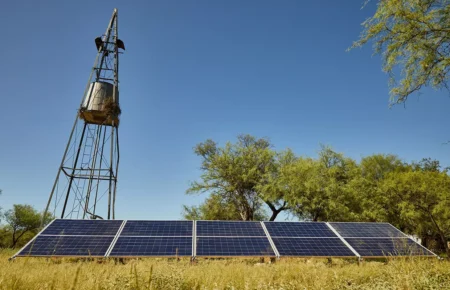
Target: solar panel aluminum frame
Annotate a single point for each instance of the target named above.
(32, 240)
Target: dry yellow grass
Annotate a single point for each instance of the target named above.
(41, 273)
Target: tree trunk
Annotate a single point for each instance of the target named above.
(441, 235)
(16, 239)
(275, 211)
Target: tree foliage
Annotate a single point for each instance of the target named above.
(424, 202)
(413, 35)
(235, 171)
(318, 189)
(22, 220)
(216, 208)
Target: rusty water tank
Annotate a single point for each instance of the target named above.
(98, 106)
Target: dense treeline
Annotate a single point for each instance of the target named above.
(249, 180)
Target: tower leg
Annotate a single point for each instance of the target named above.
(59, 172)
(73, 171)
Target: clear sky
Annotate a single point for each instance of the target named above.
(194, 70)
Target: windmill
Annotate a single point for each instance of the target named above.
(86, 182)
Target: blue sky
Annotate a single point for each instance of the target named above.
(195, 70)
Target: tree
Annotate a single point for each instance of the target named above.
(23, 219)
(377, 204)
(425, 202)
(318, 189)
(272, 191)
(415, 36)
(216, 208)
(235, 171)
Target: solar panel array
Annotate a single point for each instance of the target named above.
(134, 238)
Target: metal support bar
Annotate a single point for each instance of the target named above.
(117, 173)
(194, 239)
(344, 241)
(111, 171)
(59, 172)
(116, 237)
(73, 171)
(272, 244)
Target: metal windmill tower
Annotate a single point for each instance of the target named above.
(86, 182)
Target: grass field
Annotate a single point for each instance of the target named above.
(41, 273)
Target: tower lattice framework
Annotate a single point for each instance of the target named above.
(86, 183)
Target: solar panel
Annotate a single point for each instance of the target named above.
(231, 247)
(320, 247)
(83, 227)
(116, 238)
(157, 228)
(229, 229)
(68, 246)
(299, 229)
(385, 230)
(381, 247)
(152, 246)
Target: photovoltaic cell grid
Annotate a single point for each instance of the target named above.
(230, 238)
(382, 247)
(379, 240)
(157, 228)
(152, 246)
(306, 239)
(93, 238)
(154, 238)
(369, 230)
(83, 227)
(229, 229)
(234, 246)
(312, 247)
(86, 246)
(299, 229)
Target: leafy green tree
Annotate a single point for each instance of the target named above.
(23, 219)
(377, 205)
(415, 36)
(216, 208)
(318, 189)
(235, 171)
(425, 202)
